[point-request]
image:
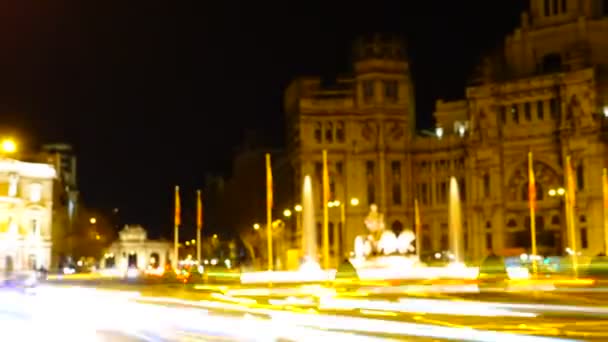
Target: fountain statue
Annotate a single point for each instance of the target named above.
(381, 241)
(309, 232)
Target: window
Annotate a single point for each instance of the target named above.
(488, 240)
(547, 8)
(555, 6)
(463, 193)
(512, 223)
(514, 114)
(442, 192)
(580, 177)
(486, 185)
(13, 184)
(396, 169)
(332, 190)
(397, 193)
(502, 112)
(340, 131)
(371, 186)
(564, 8)
(554, 108)
(391, 90)
(444, 237)
(527, 111)
(34, 229)
(488, 225)
(426, 238)
(35, 192)
(319, 171)
(368, 90)
(555, 220)
(339, 168)
(424, 196)
(552, 63)
(329, 132)
(540, 113)
(582, 219)
(584, 238)
(318, 132)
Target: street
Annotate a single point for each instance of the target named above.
(314, 312)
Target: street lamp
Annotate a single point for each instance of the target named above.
(9, 146)
(561, 192)
(298, 208)
(92, 220)
(256, 226)
(287, 213)
(338, 234)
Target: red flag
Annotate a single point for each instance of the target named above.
(570, 182)
(199, 210)
(178, 209)
(531, 183)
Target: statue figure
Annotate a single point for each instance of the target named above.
(374, 222)
(380, 241)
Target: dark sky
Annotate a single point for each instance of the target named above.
(157, 93)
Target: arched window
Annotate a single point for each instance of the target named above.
(512, 223)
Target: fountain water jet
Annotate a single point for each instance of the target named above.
(455, 222)
(309, 232)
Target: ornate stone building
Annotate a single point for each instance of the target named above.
(133, 249)
(26, 201)
(544, 91)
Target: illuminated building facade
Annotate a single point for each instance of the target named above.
(134, 250)
(26, 206)
(545, 91)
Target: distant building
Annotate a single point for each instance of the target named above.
(26, 214)
(66, 199)
(133, 249)
(546, 91)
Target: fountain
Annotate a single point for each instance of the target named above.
(379, 254)
(455, 222)
(309, 232)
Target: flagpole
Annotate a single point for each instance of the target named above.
(532, 204)
(269, 211)
(417, 229)
(199, 225)
(325, 212)
(605, 191)
(570, 200)
(176, 229)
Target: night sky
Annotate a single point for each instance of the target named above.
(153, 94)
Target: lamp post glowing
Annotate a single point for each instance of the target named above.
(8, 146)
(287, 213)
(92, 220)
(256, 226)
